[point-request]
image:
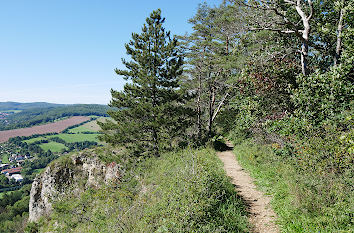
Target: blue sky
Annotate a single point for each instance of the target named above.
(65, 51)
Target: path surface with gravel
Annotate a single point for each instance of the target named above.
(261, 216)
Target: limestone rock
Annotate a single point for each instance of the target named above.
(71, 175)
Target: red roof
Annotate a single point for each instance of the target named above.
(12, 170)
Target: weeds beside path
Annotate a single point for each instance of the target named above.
(261, 217)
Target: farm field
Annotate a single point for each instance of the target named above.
(91, 126)
(67, 137)
(53, 146)
(55, 127)
(5, 159)
(77, 137)
(32, 140)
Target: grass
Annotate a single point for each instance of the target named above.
(186, 191)
(67, 137)
(37, 171)
(77, 137)
(53, 146)
(5, 159)
(91, 126)
(299, 198)
(32, 140)
(82, 128)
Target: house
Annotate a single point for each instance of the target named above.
(11, 171)
(4, 166)
(17, 177)
(18, 158)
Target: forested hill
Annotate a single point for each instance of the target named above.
(5, 106)
(35, 116)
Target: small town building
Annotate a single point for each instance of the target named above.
(4, 166)
(17, 177)
(11, 171)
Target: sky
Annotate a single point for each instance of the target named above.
(65, 51)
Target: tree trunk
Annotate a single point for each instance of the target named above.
(305, 34)
(199, 110)
(155, 143)
(339, 35)
(304, 54)
(211, 109)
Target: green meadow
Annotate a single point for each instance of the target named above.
(32, 140)
(77, 137)
(5, 159)
(81, 129)
(53, 146)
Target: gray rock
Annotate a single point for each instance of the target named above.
(69, 176)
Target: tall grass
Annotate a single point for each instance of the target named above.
(304, 200)
(185, 191)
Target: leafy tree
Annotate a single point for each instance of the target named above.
(151, 112)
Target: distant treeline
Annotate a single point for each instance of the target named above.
(35, 116)
(24, 106)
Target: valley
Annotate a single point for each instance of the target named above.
(55, 127)
(25, 152)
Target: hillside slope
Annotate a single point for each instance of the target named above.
(187, 191)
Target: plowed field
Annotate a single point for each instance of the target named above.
(55, 127)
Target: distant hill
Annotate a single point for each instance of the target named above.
(30, 115)
(23, 106)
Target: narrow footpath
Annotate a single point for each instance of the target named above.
(261, 217)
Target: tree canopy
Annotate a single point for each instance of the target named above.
(151, 112)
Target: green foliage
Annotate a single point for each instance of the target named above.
(321, 97)
(185, 191)
(14, 210)
(151, 113)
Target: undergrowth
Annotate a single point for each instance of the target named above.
(185, 191)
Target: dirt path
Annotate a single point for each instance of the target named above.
(261, 215)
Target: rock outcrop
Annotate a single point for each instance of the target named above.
(69, 176)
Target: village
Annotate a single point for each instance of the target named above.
(3, 115)
(11, 161)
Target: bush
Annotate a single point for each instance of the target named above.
(321, 97)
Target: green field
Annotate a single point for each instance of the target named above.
(81, 129)
(91, 126)
(53, 146)
(77, 137)
(5, 159)
(32, 140)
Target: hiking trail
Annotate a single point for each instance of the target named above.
(261, 216)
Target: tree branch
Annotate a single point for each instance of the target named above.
(219, 106)
(272, 29)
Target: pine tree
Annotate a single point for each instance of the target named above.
(151, 111)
